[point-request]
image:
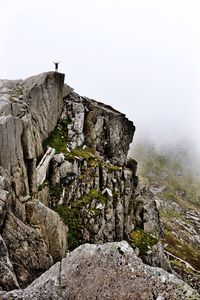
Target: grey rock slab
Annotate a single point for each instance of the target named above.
(43, 166)
(27, 249)
(8, 278)
(109, 271)
(51, 227)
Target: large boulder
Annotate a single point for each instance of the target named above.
(110, 271)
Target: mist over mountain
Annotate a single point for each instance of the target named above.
(142, 59)
(186, 150)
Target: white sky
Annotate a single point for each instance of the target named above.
(140, 56)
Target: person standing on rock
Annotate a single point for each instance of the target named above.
(56, 65)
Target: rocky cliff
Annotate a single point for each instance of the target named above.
(29, 111)
(65, 180)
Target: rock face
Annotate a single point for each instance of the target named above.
(26, 249)
(147, 217)
(95, 188)
(109, 271)
(49, 225)
(8, 280)
(29, 111)
(99, 125)
(97, 198)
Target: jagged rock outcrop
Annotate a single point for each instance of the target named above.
(107, 130)
(49, 225)
(29, 111)
(27, 249)
(35, 237)
(109, 271)
(147, 217)
(89, 182)
(98, 196)
(5, 195)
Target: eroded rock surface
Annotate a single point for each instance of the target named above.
(90, 184)
(49, 224)
(8, 280)
(29, 111)
(99, 125)
(109, 271)
(27, 249)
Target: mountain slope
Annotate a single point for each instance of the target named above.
(172, 175)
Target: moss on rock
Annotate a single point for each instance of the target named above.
(58, 138)
(142, 240)
(72, 216)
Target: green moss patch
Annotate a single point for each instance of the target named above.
(142, 240)
(72, 216)
(86, 153)
(111, 168)
(87, 199)
(58, 138)
(169, 214)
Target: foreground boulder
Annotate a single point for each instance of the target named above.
(109, 271)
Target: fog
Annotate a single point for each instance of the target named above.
(140, 56)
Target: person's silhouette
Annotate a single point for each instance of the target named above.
(56, 65)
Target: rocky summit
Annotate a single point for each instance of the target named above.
(73, 220)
